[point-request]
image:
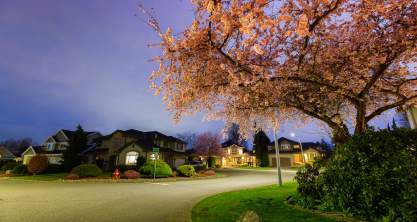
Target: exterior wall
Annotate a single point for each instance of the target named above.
(116, 141)
(295, 158)
(234, 156)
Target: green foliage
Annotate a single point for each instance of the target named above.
(162, 169)
(310, 186)
(140, 162)
(374, 176)
(37, 164)
(87, 170)
(19, 170)
(186, 170)
(76, 144)
(9, 165)
(211, 162)
(260, 145)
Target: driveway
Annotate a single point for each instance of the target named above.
(84, 201)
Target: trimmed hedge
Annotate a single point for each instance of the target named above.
(87, 170)
(186, 170)
(162, 169)
(37, 164)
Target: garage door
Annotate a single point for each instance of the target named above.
(179, 162)
(285, 162)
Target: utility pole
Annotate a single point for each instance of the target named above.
(277, 156)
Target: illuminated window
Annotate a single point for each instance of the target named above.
(131, 158)
(285, 147)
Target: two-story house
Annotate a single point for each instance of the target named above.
(55, 145)
(291, 153)
(124, 147)
(236, 155)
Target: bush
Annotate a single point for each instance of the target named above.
(87, 170)
(209, 173)
(131, 174)
(9, 166)
(211, 161)
(38, 164)
(162, 169)
(72, 176)
(3, 162)
(186, 170)
(19, 170)
(140, 162)
(310, 186)
(123, 168)
(374, 176)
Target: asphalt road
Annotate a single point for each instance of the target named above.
(84, 201)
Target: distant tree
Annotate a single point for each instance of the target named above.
(260, 146)
(394, 124)
(208, 144)
(188, 137)
(17, 146)
(76, 144)
(233, 135)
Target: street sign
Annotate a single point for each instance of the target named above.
(155, 150)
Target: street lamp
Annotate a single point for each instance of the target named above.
(301, 145)
(277, 156)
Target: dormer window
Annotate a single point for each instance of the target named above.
(49, 146)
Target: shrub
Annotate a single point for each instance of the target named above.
(131, 174)
(123, 168)
(72, 176)
(19, 170)
(211, 161)
(140, 162)
(162, 169)
(38, 164)
(374, 176)
(9, 166)
(186, 170)
(3, 162)
(200, 167)
(310, 186)
(209, 173)
(87, 170)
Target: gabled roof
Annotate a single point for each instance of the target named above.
(145, 136)
(229, 143)
(6, 154)
(282, 139)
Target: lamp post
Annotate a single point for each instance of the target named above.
(301, 146)
(277, 156)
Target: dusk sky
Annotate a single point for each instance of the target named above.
(87, 61)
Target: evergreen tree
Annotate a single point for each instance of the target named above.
(394, 124)
(260, 145)
(77, 143)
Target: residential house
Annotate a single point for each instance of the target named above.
(55, 145)
(125, 147)
(236, 155)
(291, 154)
(5, 154)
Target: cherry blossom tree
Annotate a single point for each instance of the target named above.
(342, 62)
(208, 144)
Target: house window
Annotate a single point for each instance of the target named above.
(285, 147)
(131, 158)
(49, 146)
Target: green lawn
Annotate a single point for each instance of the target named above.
(42, 177)
(267, 202)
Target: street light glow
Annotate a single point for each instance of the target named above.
(292, 134)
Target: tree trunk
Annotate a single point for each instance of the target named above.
(340, 135)
(361, 125)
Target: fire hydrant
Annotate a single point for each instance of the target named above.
(116, 175)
